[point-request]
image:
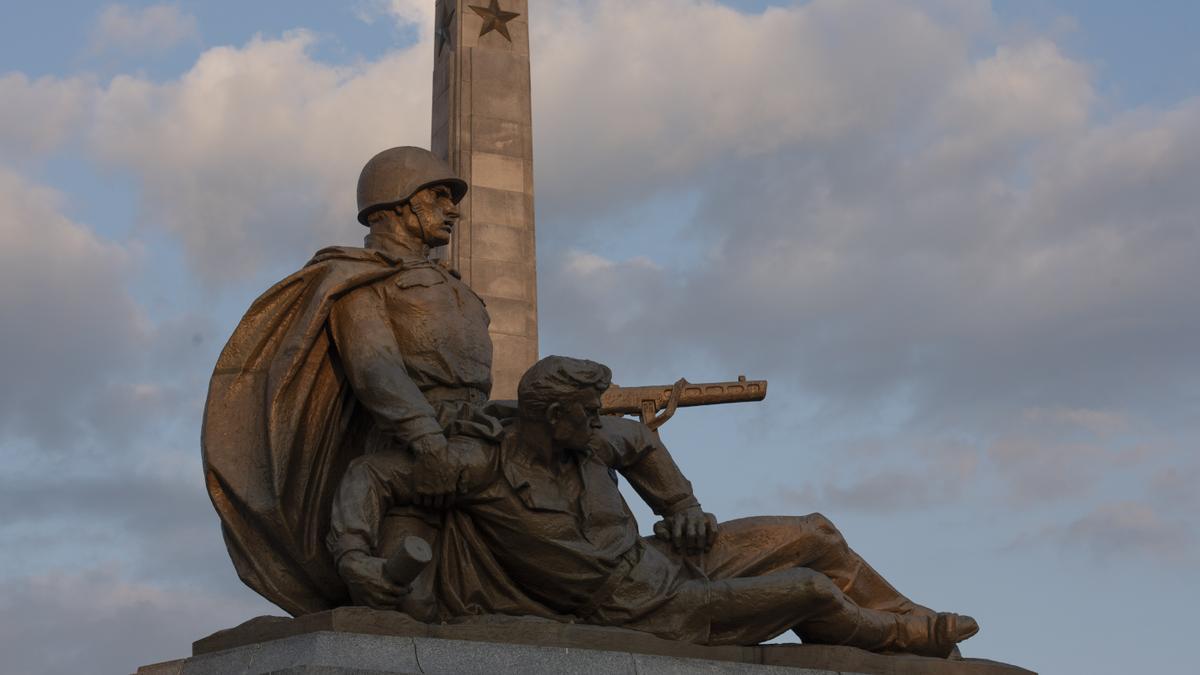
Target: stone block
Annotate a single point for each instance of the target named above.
(502, 207)
(500, 100)
(374, 639)
(457, 657)
(439, 143)
(502, 242)
(441, 111)
(504, 68)
(518, 30)
(497, 171)
(500, 137)
(503, 279)
(481, 649)
(511, 317)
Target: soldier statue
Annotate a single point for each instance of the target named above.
(349, 413)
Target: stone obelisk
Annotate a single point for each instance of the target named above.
(483, 126)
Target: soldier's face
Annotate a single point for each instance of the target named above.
(436, 215)
(578, 421)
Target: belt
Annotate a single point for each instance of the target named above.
(454, 395)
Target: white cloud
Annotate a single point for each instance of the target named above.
(37, 116)
(674, 86)
(417, 13)
(889, 212)
(155, 28)
(252, 156)
(69, 322)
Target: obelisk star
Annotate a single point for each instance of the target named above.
(442, 33)
(494, 19)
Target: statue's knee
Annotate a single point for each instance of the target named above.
(378, 469)
(824, 527)
(814, 586)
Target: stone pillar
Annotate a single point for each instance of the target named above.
(482, 125)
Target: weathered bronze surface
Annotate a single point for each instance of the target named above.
(645, 402)
(363, 350)
(348, 419)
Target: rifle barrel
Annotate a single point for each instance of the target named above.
(618, 400)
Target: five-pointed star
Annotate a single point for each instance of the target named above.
(443, 27)
(494, 19)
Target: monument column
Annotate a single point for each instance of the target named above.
(483, 126)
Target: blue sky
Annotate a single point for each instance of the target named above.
(960, 238)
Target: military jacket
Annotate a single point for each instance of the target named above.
(415, 349)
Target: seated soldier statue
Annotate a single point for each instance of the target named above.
(539, 527)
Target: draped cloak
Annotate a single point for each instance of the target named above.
(277, 432)
(280, 426)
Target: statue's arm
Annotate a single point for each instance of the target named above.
(642, 458)
(374, 365)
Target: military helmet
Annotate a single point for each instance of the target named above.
(393, 176)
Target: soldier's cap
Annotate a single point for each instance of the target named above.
(393, 176)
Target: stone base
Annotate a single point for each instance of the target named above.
(359, 641)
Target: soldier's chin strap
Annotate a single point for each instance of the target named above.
(422, 216)
(649, 408)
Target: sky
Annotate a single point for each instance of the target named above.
(960, 238)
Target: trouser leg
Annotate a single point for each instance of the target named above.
(763, 545)
(749, 610)
(371, 486)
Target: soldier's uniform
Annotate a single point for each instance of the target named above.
(416, 351)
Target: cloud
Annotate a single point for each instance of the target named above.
(1119, 532)
(156, 28)
(127, 623)
(688, 85)
(251, 157)
(411, 12)
(865, 478)
(70, 325)
(38, 116)
(882, 213)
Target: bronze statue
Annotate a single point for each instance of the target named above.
(545, 519)
(363, 350)
(350, 410)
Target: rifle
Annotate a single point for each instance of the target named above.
(645, 402)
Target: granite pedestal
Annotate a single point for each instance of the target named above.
(356, 641)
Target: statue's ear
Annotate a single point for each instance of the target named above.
(554, 412)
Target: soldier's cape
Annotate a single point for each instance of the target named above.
(277, 432)
(280, 426)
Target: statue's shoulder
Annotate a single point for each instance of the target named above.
(330, 272)
(335, 267)
(335, 255)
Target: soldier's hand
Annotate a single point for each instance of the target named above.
(692, 531)
(367, 582)
(435, 476)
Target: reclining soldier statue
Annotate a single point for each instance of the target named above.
(547, 512)
(350, 410)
